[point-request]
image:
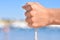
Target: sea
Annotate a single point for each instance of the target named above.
(44, 33)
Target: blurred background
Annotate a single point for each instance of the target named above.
(12, 10)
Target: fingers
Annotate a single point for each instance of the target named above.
(33, 4)
(28, 14)
(27, 7)
(36, 14)
(32, 22)
(30, 5)
(31, 13)
(31, 18)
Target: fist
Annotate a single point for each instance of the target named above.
(36, 15)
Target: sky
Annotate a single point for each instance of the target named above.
(12, 9)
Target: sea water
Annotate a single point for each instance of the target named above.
(44, 33)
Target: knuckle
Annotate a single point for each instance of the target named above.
(28, 14)
(27, 7)
(33, 19)
(30, 24)
(28, 20)
(28, 3)
(33, 13)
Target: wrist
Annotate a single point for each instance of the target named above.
(51, 16)
(54, 16)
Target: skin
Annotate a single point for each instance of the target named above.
(39, 16)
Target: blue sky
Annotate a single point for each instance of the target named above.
(12, 9)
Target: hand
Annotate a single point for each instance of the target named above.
(36, 15)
